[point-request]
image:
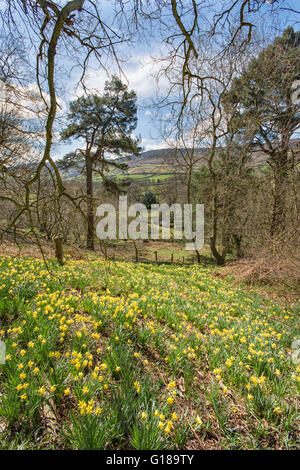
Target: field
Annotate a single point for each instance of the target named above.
(153, 177)
(116, 355)
(149, 166)
(167, 251)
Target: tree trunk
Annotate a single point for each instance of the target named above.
(238, 243)
(90, 242)
(136, 251)
(59, 250)
(280, 192)
(220, 258)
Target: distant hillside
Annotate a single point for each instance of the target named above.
(148, 164)
(161, 163)
(154, 162)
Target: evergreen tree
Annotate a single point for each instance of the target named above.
(148, 199)
(266, 110)
(105, 123)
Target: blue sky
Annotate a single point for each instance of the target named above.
(139, 74)
(139, 70)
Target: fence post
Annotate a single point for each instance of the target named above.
(155, 256)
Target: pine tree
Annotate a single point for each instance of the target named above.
(105, 123)
(263, 93)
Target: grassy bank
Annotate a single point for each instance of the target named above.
(139, 356)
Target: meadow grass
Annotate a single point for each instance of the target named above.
(115, 355)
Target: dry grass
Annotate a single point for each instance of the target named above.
(275, 266)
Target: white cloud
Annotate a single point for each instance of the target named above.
(26, 101)
(139, 72)
(151, 144)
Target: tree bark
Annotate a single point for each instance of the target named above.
(59, 250)
(136, 251)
